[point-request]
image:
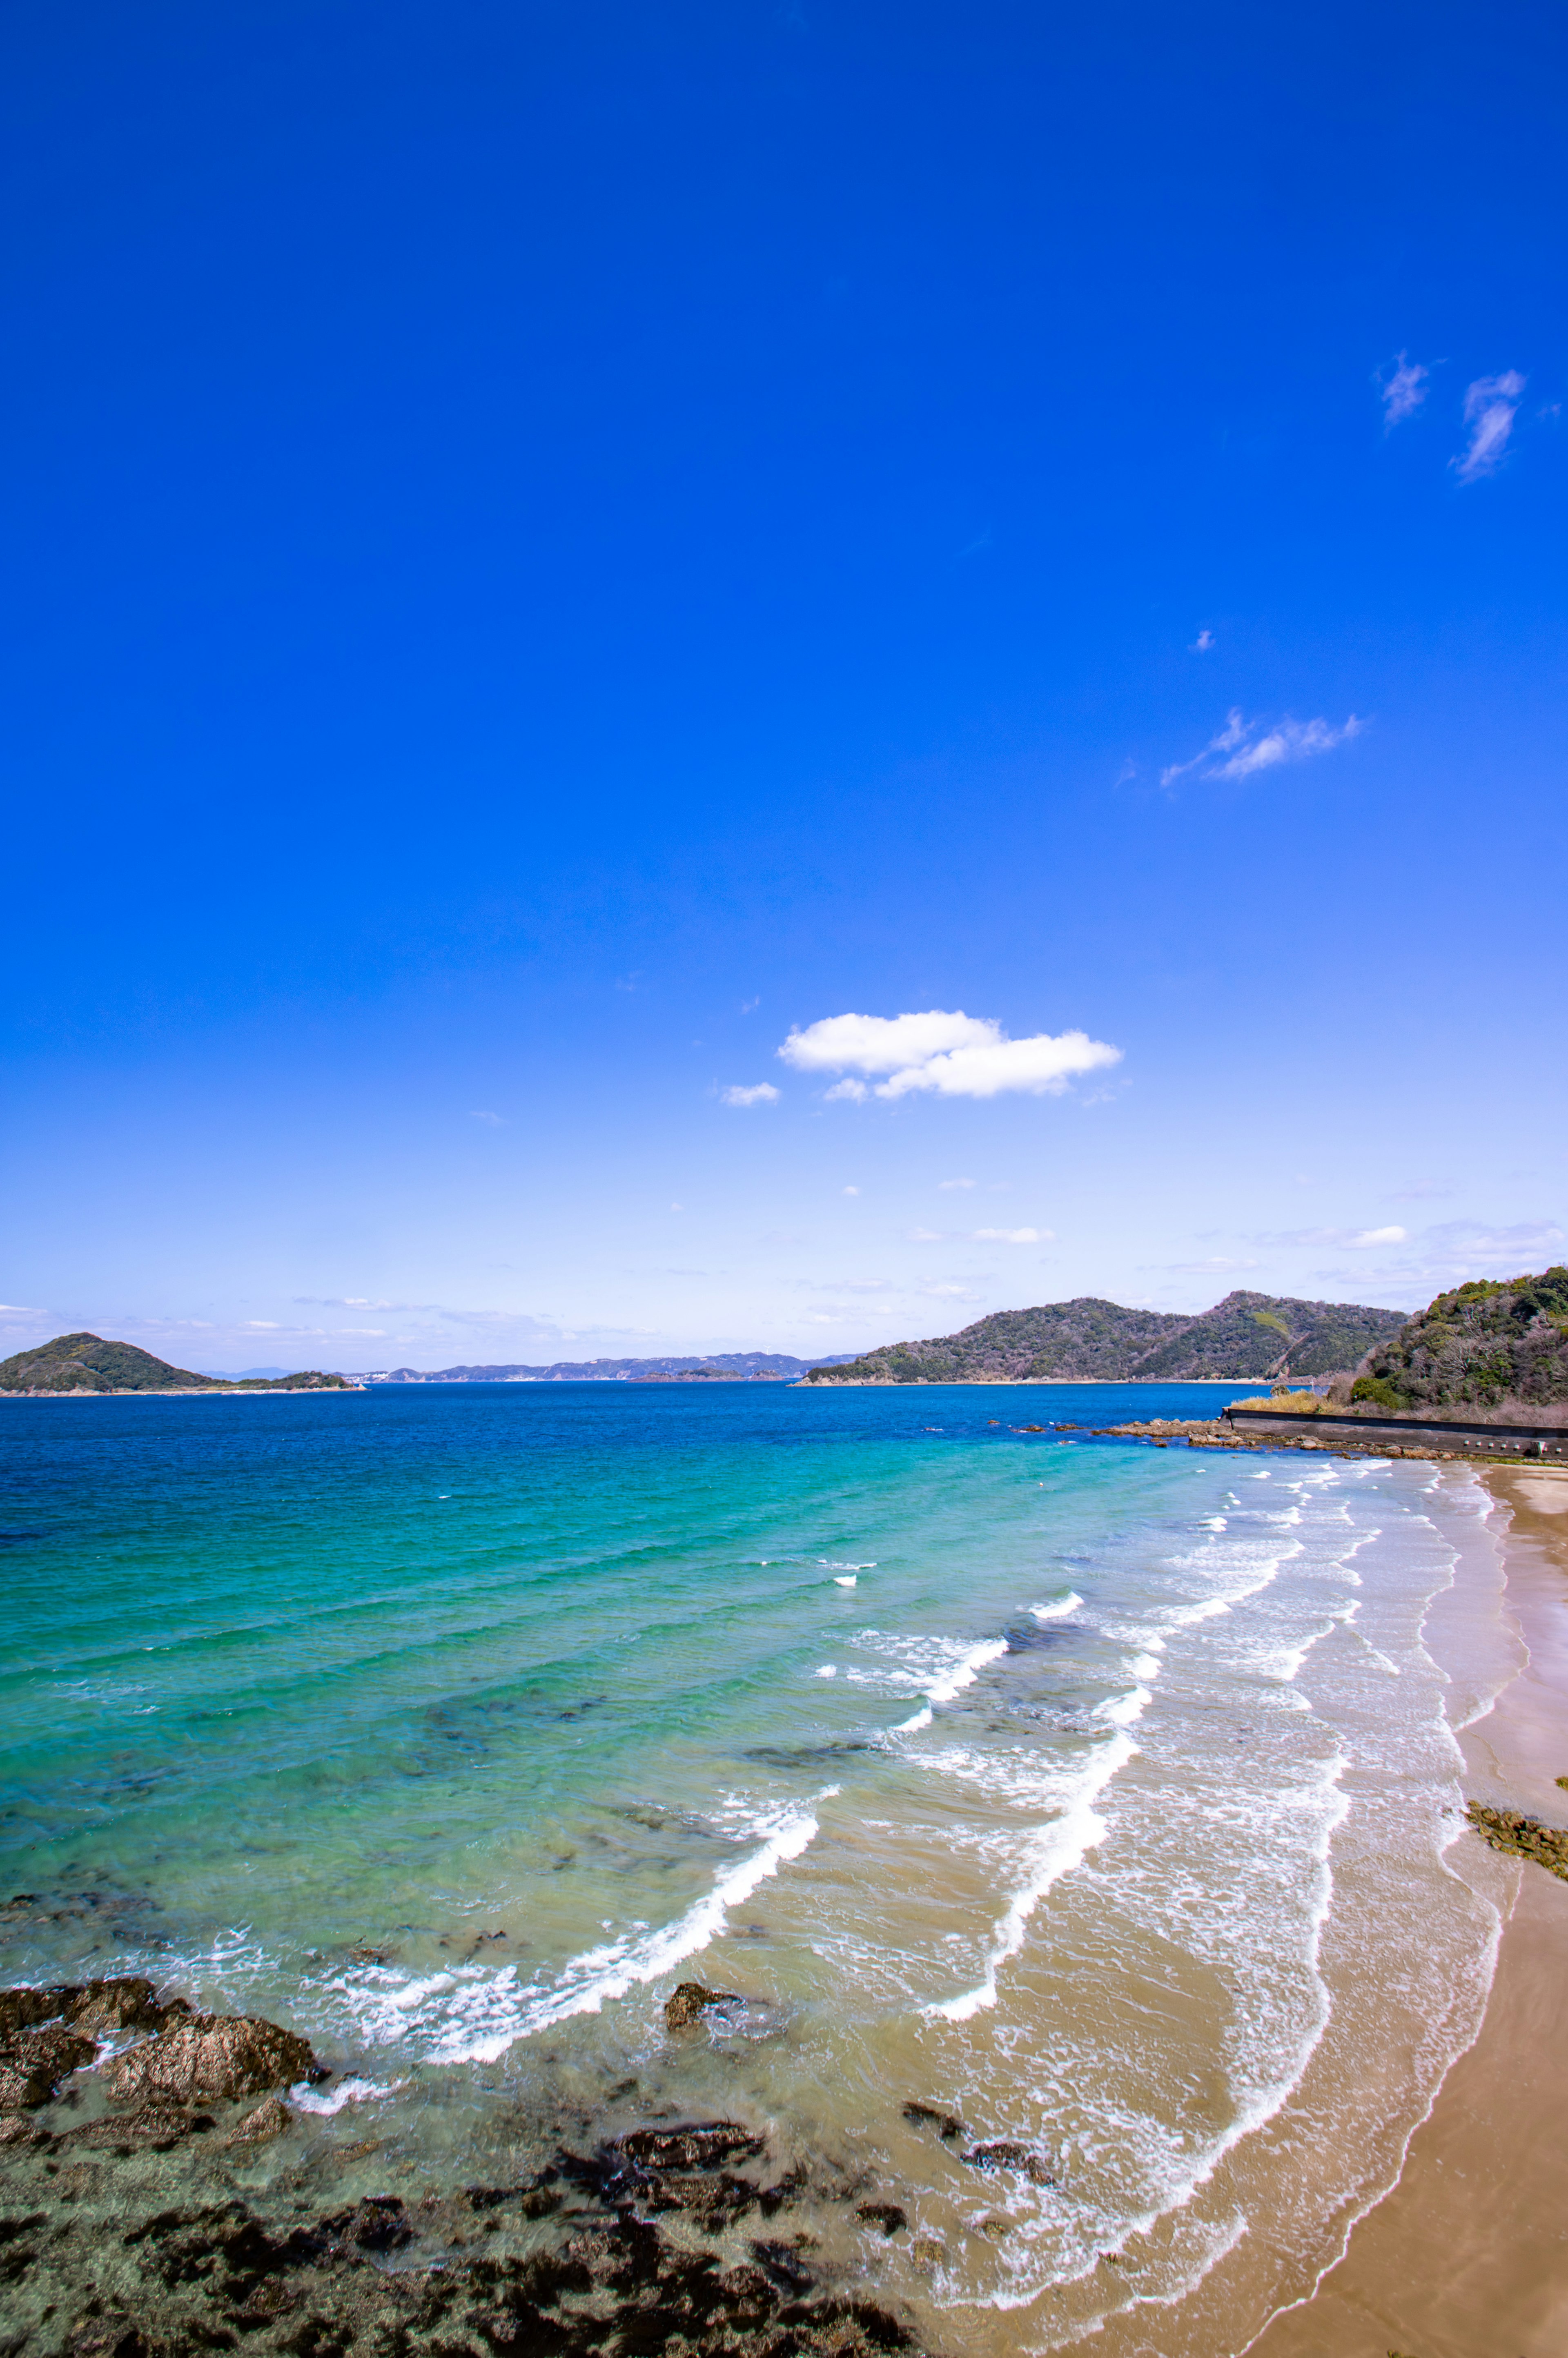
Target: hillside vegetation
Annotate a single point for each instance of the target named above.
(1091, 1341)
(86, 1363)
(1484, 1346)
(754, 1366)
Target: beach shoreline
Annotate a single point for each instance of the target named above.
(1467, 2254)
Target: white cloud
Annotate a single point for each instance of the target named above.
(1243, 747)
(949, 1293)
(762, 1092)
(851, 1191)
(1016, 1235)
(882, 1043)
(853, 1091)
(476, 1116)
(926, 1236)
(955, 1055)
(1403, 387)
(1490, 404)
(1202, 644)
(948, 1186)
(262, 1326)
(1364, 1238)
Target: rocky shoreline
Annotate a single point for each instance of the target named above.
(138, 2231)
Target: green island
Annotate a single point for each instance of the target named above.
(74, 1363)
(1090, 1341)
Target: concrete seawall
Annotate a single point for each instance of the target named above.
(1468, 1440)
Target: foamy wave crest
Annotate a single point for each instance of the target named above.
(349, 2091)
(1053, 1852)
(1059, 1609)
(474, 2018)
(952, 1684)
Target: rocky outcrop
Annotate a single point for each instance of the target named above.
(1522, 1837)
(205, 2056)
(47, 2033)
(691, 2001)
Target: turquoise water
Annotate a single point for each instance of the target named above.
(346, 1661)
(452, 1726)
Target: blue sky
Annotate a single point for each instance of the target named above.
(551, 551)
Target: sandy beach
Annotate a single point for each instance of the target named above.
(1467, 2257)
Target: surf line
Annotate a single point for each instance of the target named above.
(491, 2014)
(1054, 1852)
(963, 1674)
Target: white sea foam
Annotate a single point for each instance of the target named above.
(1059, 1608)
(828, 1670)
(1054, 1851)
(952, 1683)
(474, 2016)
(349, 2091)
(843, 1580)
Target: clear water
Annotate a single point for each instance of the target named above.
(1101, 1794)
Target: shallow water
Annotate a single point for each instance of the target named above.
(1098, 1795)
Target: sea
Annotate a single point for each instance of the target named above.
(1074, 1823)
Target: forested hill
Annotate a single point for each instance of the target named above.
(1091, 1341)
(86, 1363)
(1484, 1346)
(757, 1366)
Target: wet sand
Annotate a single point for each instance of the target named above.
(1467, 2257)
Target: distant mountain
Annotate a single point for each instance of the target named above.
(1091, 1341)
(86, 1363)
(757, 1366)
(1487, 1345)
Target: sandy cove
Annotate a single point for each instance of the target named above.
(1467, 2257)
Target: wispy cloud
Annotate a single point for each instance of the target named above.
(926, 1236)
(950, 1187)
(476, 1116)
(952, 1054)
(1202, 644)
(1218, 1265)
(1244, 747)
(1402, 384)
(1365, 1239)
(761, 1093)
(850, 1191)
(1491, 405)
(1016, 1235)
(1424, 1265)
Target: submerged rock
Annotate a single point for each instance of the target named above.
(200, 2057)
(269, 2120)
(693, 2145)
(150, 2128)
(887, 2216)
(947, 2125)
(1003, 2153)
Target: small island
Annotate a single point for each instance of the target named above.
(82, 1366)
